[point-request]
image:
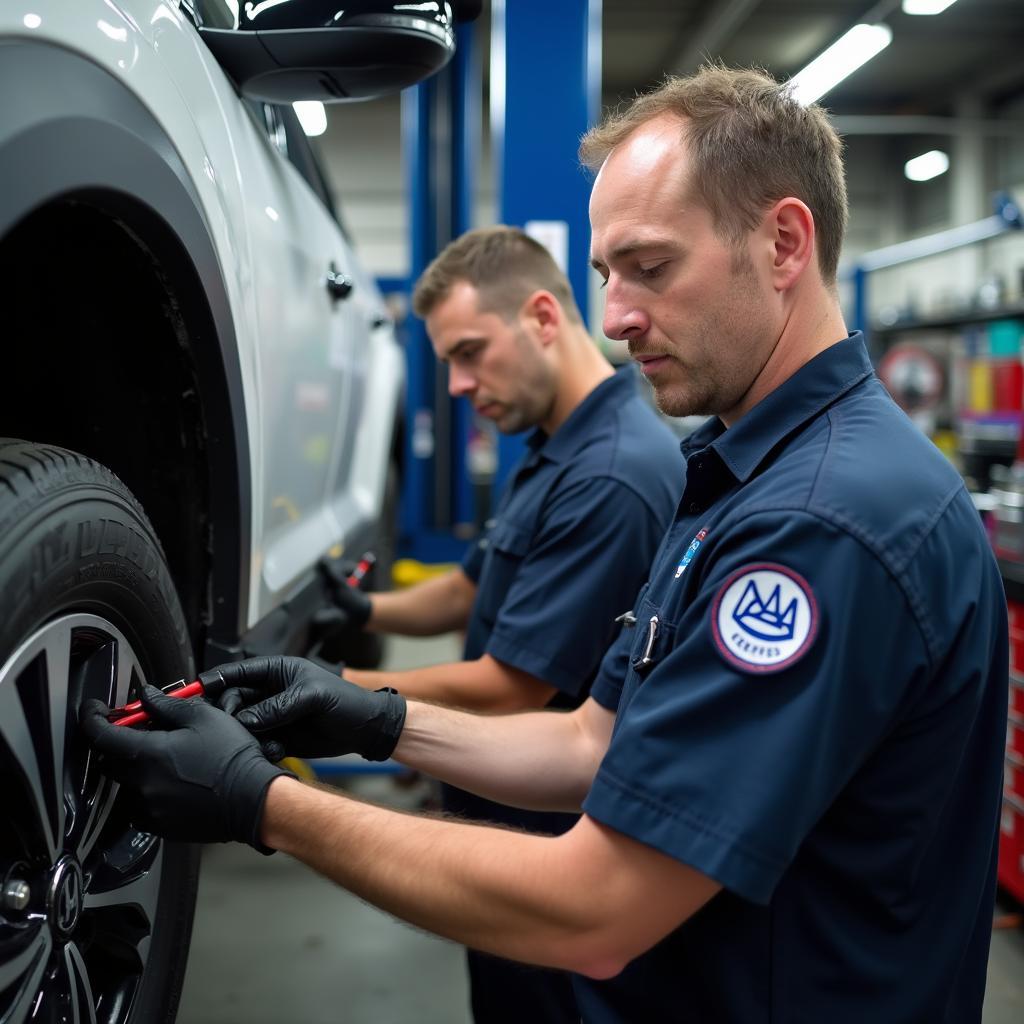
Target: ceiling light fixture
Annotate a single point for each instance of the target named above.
(927, 165)
(926, 6)
(311, 115)
(841, 59)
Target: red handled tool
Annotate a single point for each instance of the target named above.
(363, 566)
(134, 714)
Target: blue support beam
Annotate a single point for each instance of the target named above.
(441, 144)
(466, 150)
(418, 461)
(545, 93)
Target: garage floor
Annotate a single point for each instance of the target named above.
(275, 944)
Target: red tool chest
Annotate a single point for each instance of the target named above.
(1011, 831)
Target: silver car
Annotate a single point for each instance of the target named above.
(201, 397)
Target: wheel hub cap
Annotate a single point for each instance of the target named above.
(64, 897)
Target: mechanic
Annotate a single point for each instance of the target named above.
(570, 542)
(790, 766)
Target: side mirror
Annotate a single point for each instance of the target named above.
(329, 50)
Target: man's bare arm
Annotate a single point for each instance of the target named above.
(541, 760)
(484, 684)
(530, 898)
(430, 608)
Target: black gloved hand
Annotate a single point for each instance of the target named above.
(196, 776)
(309, 711)
(355, 603)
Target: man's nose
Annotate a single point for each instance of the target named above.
(623, 318)
(460, 383)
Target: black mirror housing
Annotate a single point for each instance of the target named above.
(328, 50)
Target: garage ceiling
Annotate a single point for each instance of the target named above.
(974, 47)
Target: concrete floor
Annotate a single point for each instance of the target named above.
(275, 944)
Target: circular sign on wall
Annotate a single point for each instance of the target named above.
(913, 376)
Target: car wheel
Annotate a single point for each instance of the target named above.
(95, 914)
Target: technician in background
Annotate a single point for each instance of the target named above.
(790, 767)
(570, 542)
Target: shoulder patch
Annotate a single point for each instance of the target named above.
(764, 618)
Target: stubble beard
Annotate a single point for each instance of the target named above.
(695, 392)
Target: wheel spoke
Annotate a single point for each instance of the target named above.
(140, 893)
(127, 664)
(107, 675)
(62, 717)
(83, 1005)
(26, 971)
(15, 732)
(99, 813)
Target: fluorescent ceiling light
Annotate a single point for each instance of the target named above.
(927, 165)
(842, 58)
(926, 6)
(312, 116)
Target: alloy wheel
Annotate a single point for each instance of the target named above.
(79, 885)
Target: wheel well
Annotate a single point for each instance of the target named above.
(100, 318)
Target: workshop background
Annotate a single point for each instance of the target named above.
(932, 113)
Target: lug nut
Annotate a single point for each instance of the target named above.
(16, 894)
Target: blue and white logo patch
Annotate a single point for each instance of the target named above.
(764, 618)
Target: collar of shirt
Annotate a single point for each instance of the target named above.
(816, 385)
(580, 423)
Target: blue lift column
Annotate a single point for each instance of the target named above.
(545, 93)
(440, 144)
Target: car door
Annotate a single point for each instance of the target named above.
(311, 322)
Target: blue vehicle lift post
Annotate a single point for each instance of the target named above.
(440, 142)
(545, 93)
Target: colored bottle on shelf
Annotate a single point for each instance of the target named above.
(1004, 343)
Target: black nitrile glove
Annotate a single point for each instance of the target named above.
(355, 603)
(195, 776)
(309, 711)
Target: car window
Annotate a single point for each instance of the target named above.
(213, 13)
(301, 154)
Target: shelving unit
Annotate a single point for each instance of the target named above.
(984, 394)
(950, 321)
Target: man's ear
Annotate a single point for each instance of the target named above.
(789, 227)
(543, 313)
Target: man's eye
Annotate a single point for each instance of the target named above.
(604, 283)
(647, 273)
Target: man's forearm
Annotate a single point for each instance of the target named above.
(541, 760)
(436, 606)
(502, 892)
(483, 685)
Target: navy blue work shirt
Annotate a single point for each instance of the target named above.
(569, 546)
(811, 711)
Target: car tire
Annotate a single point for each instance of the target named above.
(95, 914)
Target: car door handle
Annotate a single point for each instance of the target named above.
(339, 285)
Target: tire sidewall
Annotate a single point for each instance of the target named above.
(86, 548)
(73, 539)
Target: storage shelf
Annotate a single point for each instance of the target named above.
(978, 316)
(1013, 579)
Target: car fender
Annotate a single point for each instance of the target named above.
(124, 160)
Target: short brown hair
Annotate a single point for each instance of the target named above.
(751, 143)
(504, 264)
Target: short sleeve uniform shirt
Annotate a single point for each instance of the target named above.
(569, 546)
(811, 711)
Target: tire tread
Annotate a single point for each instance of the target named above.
(24, 458)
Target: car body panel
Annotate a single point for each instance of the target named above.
(319, 383)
